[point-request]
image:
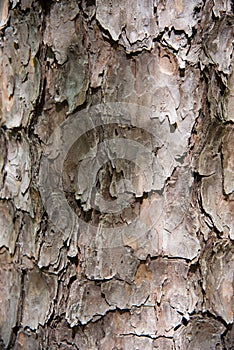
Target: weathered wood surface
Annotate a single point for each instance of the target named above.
(158, 273)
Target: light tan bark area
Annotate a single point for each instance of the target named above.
(117, 174)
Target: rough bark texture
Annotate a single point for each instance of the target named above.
(158, 272)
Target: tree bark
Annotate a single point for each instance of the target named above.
(117, 174)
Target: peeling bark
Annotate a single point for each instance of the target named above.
(116, 182)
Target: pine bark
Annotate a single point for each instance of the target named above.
(158, 272)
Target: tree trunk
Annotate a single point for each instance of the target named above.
(117, 174)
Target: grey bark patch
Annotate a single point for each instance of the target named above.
(8, 229)
(217, 268)
(86, 304)
(4, 9)
(124, 295)
(228, 161)
(18, 171)
(61, 28)
(135, 30)
(201, 333)
(40, 290)
(10, 291)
